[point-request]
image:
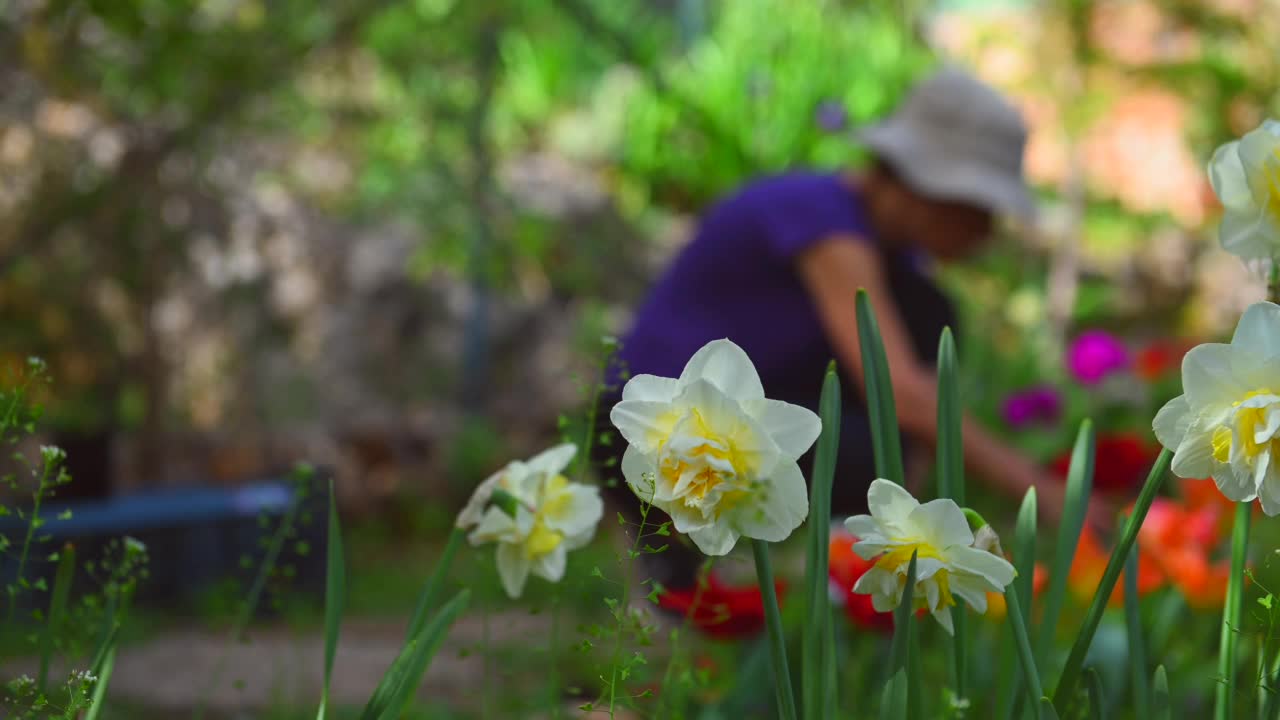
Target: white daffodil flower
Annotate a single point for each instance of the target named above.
(1226, 425)
(712, 452)
(938, 533)
(1245, 175)
(535, 515)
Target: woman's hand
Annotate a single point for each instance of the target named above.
(1051, 497)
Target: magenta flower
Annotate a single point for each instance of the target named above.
(1094, 355)
(1036, 405)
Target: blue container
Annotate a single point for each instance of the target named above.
(196, 537)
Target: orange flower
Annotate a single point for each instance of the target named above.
(996, 605)
(1174, 548)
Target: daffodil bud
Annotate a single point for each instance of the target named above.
(987, 539)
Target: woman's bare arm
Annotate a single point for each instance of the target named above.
(833, 270)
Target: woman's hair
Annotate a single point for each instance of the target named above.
(884, 170)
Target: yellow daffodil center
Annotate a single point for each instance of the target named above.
(700, 467)
(543, 539)
(896, 561)
(1246, 421)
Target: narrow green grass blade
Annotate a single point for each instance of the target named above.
(1030, 676)
(893, 701)
(1079, 486)
(434, 585)
(1224, 699)
(902, 619)
(1024, 561)
(950, 438)
(103, 673)
(1075, 661)
(405, 673)
(1045, 710)
(950, 463)
(832, 699)
(1097, 696)
(57, 610)
(1137, 641)
(773, 624)
(1160, 709)
(335, 593)
(885, 440)
(915, 671)
(817, 631)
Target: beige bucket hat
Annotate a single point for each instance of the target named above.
(956, 138)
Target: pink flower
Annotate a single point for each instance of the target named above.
(1094, 355)
(1037, 405)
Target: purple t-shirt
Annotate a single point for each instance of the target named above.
(736, 279)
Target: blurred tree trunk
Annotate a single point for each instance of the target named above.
(477, 347)
(1064, 264)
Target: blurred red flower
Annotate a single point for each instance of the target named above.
(844, 569)
(1121, 463)
(1159, 359)
(720, 610)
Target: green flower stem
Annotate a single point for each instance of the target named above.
(1031, 676)
(951, 485)
(818, 626)
(1224, 700)
(1137, 646)
(1075, 661)
(777, 641)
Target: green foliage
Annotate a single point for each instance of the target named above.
(685, 141)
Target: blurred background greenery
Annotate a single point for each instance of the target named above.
(386, 236)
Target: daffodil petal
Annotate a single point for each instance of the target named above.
(494, 526)
(715, 539)
(780, 506)
(996, 571)
(1172, 421)
(863, 527)
(579, 511)
(650, 388)
(943, 616)
(973, 593)
(724, 417)
(1227, 176)
(1248, 234)
(1209, 375)
(513, 569)
(640, 472)
(1193, 457)
(473, 511)
(550, 566)
(552, 461)
(1259, 330)
(725, 365)
(889, 502)
(944, 522)
(1234, 485)
(793, 428)
(643, 423)
(1257, 151)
